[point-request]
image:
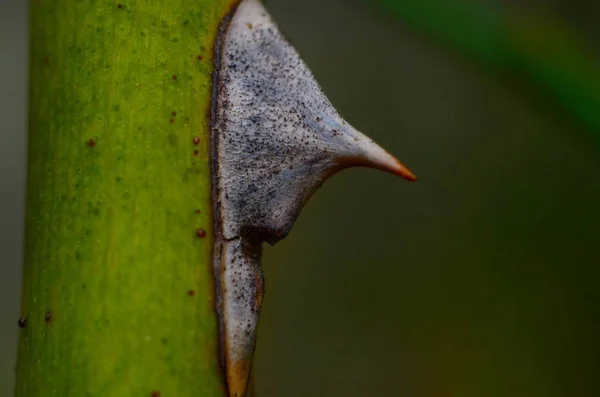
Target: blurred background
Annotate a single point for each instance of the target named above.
(482, 278)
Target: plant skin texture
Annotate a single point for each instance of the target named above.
(119, 165)
(276, 138)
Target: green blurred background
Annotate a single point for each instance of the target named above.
(482, 278)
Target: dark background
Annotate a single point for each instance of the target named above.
(481, 279)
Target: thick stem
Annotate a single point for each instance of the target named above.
(118, 287)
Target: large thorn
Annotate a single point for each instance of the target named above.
(276, 138)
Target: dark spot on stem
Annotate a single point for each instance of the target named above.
(195, 153)
(191, 292)
(91, 143)
(172, 121)
(47, 316)
(200, 57)
(196, 140)
(174, 77)
(22, 322)
(119, 5)
(174, 113)
(155, 393)
(200, 233)
(197, 211)
(46, 60)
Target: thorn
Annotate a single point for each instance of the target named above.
(273, 152)
(366, 153)
(402, 172)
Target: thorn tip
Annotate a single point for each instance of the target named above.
(403, 172)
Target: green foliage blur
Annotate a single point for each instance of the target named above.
(482, 278)
(537, 45)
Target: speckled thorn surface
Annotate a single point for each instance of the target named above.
(276, 139)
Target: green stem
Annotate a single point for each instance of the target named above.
(118, 287)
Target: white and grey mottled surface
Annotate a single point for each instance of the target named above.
(279, 137)
(276, 139)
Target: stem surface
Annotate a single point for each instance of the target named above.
(118, 286)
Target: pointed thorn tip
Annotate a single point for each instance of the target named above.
(404, 172)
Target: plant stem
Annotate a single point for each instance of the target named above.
(118, 286)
